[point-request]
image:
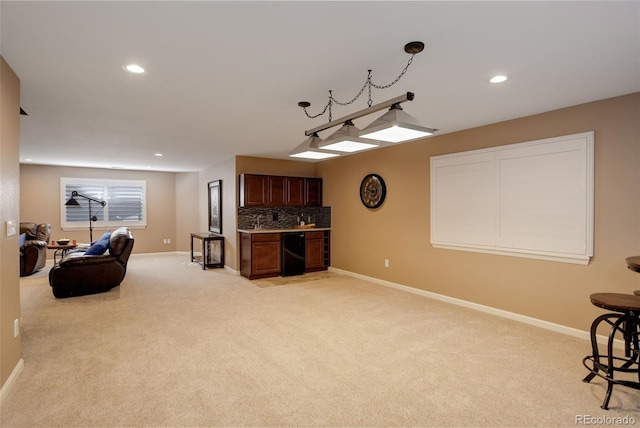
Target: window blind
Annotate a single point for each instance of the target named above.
(126, 203)
(532, 199)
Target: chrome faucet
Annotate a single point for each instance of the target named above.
(258, 225)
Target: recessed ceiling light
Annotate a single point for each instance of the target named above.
(133, 68)
(499, 78)
(28, 160)
(158, 154)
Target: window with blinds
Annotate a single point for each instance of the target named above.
(532, 199)
(126, 203)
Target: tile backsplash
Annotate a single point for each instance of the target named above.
(283, 217)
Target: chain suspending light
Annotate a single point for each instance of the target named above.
(412, 48)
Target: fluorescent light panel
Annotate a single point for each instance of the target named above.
(395, 126)
(396, 134)
(308, 149)
(310, 154)
(346, 139)
(348, 146)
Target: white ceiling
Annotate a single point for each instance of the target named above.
(224, 78)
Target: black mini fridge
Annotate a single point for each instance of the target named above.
(293, 253)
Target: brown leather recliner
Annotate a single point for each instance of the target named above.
(33, 253)
(78, 274)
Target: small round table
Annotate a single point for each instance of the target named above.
(624, 321)
(60, 250)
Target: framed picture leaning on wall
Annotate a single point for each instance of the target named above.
(215, 206)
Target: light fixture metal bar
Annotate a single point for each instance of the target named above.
(361, 113)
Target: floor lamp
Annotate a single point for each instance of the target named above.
(73, 202)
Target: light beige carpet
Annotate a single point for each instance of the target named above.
(178, 346)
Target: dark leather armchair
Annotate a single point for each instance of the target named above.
(33, 253)
(78, 274)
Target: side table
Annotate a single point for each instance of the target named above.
(212, 254)
(624, 322)
(60, 250)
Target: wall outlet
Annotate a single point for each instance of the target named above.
(166, 241)
(275, 217)
(16, 327)
(386, 263)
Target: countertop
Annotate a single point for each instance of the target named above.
(308, 229)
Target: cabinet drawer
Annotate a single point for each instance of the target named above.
(314, 235)
(265, 237)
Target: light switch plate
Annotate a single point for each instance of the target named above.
(11, 227)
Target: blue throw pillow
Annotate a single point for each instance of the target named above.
(100, 246)
(22, 239)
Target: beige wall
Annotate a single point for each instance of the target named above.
(224, 171)
(399, 230)
(228, 172)
(10, 349)
(251, 165)
(187, 208)
(40, 201)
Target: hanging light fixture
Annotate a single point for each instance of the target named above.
(347, 139)
(308, 149)
(394, 126)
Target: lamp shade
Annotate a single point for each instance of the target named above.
(395, 126)
(308, 149)
(347, 139)
(72, 202)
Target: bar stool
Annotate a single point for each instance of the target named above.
(625, 321)
(633, 263)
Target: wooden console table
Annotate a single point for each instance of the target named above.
(212, 254)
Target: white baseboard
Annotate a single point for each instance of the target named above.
(11, 379)
(482, 308)
(233, 271)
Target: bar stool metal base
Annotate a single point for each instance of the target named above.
(625, 323)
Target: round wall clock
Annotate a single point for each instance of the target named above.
(372, 191)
